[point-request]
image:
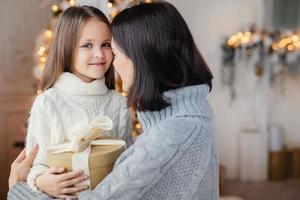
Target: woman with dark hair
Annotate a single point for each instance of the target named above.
(167, 81)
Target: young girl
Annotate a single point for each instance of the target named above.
(77, 84)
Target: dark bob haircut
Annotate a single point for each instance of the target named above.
(158, 41)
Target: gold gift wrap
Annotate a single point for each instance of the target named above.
(101, 161)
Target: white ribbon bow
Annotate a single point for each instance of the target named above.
(84, 135)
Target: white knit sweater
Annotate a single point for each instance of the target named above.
(55, 112)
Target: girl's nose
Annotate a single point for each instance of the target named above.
(98, 53)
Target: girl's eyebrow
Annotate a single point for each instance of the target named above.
(90, 40)
(87, 40)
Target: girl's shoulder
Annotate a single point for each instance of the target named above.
(45, 99)
(117, 97)
(115, 94)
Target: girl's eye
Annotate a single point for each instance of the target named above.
(107, 45)
(88, 45)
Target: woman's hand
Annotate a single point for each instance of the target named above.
(60, 184)
(21, 166)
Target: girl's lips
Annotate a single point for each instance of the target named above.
(98, 64)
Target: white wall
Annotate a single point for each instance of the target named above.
(209, 22)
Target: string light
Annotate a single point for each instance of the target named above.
(109, 4)
(297, 44)
(289, 40)
(295, 38)
(240, 35)
(48, 33)
(138, 126)
(232, 40)
(239, 38)
(290, 43)
(248, 34)
(54, 8)
(72, 2)
(39, 92)
(113, 13)
(282, 44)
(41, 51)
(290, 47)
(43, 59)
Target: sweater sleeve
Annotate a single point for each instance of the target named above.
(146, 161)
(38, 133)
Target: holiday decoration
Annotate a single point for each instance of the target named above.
(279, 50)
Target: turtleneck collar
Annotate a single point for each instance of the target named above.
(189, 100)
(72, 84)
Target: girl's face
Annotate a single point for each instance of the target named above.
(93, 54)
(123, 65)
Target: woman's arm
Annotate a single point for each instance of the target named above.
(21, 166)
(146, 162)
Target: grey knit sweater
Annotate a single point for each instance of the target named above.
(175, 157)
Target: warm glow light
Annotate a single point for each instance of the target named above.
(41, 51)
(289, 40)
(39, 92)
(245, 40)
(54, 8)
(282, 43)
(110, 5)
(240, 35)
(48, 33)
(138, 126)
(248, 34)
(297, 45)
(72, 2)
(290, 47)
(43, 59)
(113, 14)
(295, 38)
(232, 40)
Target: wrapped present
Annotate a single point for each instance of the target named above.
(89, 150)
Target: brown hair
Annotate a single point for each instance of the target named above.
(61, 53)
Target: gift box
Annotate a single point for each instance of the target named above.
(89, 150)
(101, 161)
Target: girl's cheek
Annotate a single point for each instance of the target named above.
(109, 56)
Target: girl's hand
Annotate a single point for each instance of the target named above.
(60, 184)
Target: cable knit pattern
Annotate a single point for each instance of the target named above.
(71, 100)
(175, 157)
